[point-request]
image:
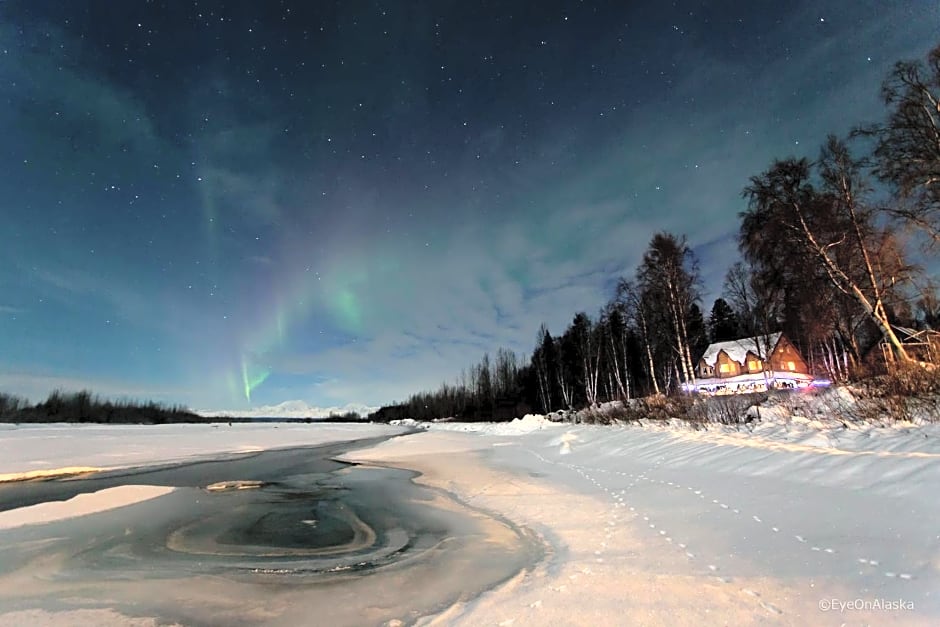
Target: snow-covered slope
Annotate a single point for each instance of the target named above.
(808, 522)
(287, 409)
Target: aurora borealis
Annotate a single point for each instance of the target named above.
(228, 204)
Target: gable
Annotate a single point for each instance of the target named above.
(737, 350)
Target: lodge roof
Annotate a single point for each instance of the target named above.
(738, 349)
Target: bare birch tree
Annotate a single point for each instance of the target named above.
(908, 149)
(668, 277)
(823, 224)
(637, 313)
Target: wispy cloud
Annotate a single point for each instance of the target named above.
(64, 104)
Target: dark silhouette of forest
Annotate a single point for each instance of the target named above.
(85, 407)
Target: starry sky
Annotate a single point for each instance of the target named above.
(232, 204)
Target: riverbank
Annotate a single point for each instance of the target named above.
(671, 526)
(599, 570)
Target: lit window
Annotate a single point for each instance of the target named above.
(791, 365)
(725, 367)
(754, 364)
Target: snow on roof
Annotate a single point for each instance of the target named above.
(738, 349)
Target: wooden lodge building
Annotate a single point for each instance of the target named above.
(751, 364)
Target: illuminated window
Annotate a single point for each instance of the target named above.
(725, 367)
(791, 365)
(754, 364)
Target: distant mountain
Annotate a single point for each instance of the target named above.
(287, 409)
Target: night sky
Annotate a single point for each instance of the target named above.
(233, 204)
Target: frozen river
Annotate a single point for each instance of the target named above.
(273, 537)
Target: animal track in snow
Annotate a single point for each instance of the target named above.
(770, 607)
(616, 493)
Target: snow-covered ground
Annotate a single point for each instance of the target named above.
(57, 449)
(80, 505)
(792, 521)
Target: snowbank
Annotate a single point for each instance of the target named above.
(518, 426)
(80, 505)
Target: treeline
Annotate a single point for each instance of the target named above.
(348, 416)
(86, 407)
(643, 341)
(490, 390)
(822, 259)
